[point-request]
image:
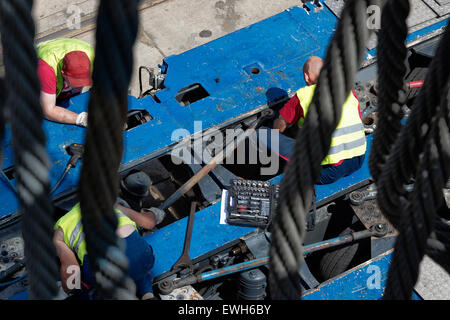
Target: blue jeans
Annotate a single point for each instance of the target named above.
(141, 260)
(329, 174)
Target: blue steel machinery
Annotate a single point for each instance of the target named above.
(228, 83)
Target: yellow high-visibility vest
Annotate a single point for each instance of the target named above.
(71, 225)
(54, 51)
(348, 140)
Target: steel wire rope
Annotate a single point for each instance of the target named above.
(116, 33)
(344, 56)
(419, 216)
(29, 142)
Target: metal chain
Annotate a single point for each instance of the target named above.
(29, 142)
(116, 33)
(336, 81)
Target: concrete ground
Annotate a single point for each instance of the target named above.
(167, 27)
(433, 282)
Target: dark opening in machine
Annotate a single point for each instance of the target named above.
(137, 117)
(191, 94)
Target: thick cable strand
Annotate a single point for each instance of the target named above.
(116, 33)
(3, 97)
(391, 55)
(28, 138)
(402, 162)
(420, 214)
(438, 247)
(336, 81)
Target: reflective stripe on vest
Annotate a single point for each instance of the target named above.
(72, 227)
(54, 51)
(349, 139)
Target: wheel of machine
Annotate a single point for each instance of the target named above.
(337, 260)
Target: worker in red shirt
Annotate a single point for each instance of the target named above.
(348, 144)
(64, 70)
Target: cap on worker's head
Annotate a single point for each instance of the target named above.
(77, 68)
(137, 183)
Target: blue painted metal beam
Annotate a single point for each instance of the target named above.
(363, 282)
(208, 234)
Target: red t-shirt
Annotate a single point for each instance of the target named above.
(293, 111)
(48, 80)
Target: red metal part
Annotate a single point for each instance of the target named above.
(416, 84)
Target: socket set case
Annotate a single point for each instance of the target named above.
(251, 202)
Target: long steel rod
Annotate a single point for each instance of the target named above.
(264, 260)
(230, 147)
(167, 286)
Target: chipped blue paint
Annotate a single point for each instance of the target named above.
(363, 282)
(278, 47)
(207, 234)
(210, 234)
(222, 67)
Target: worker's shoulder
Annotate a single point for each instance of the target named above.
(64, 42)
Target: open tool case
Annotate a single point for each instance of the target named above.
(251, 202)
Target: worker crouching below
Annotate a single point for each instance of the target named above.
(348, 143)
(64, 70)
(71, 249)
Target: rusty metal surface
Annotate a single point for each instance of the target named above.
(11, 250)
(369, 214)
(183, 293)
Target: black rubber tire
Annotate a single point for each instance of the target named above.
(337, 260)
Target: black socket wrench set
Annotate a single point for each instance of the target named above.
(251, 202)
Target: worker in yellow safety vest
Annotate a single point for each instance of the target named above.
(348, 143)
(64, 70)
(70, 246)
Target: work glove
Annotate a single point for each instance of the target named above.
(159, 214)
(82, 119)
(86, 89)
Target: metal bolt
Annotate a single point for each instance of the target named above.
(380, 227)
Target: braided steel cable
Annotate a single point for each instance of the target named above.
(438, 244)
(29, 141)
(402, 162)
(116, 33)
(391, 55)
(336, 81)
(419, 219)
(3, 97)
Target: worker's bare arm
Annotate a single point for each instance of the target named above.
(280, 124)
(144, 219)
(69, 263)
(54, 113)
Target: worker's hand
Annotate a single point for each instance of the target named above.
(159, 214)
(280, 124)
(82, 119)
